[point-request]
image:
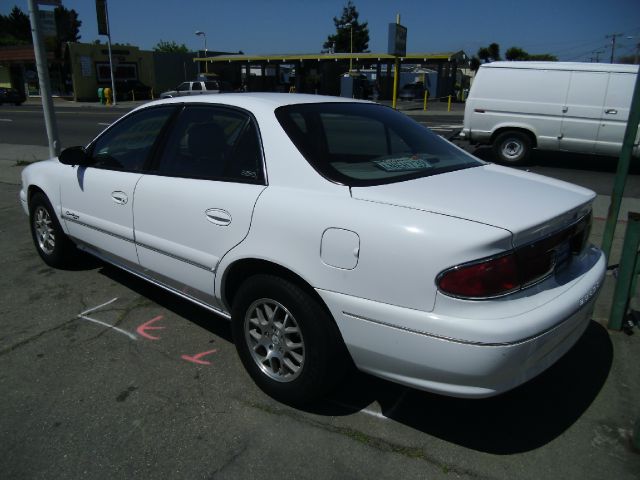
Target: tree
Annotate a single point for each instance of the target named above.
(67, 24)
(15, 28)
(542, 57)
(490, 53)
(494, 50)
(516, 53)
(163, 46)
(346, 27)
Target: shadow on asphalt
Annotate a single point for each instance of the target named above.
(181, 307)
(521, 420)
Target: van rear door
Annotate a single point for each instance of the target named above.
(582, 111)
(615, 113)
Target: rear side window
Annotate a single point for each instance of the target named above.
(359, 144)
(211, 85)
(213, 143)
(196, 86)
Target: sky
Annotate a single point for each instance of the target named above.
(573, 30)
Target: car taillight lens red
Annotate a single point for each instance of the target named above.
(518, 269)
(487, 279)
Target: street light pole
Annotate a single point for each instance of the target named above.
(43, 77)
(200, 33)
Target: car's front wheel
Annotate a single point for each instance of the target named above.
(52, 244)
(286, 340)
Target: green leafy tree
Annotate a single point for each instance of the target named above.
(516, 53)
(490, 53)
(346, 26)
(163, 46)
(67, 24)
(15, 28)
(542, 57)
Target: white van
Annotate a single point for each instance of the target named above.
(575, 107)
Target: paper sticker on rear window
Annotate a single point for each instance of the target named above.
(402, 164)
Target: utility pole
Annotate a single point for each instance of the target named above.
(103, 29)
(43, 77)
(613, 37)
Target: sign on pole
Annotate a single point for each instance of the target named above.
(48, 23)
(397, 40)
(101, 12)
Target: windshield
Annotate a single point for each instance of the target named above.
(359, 144)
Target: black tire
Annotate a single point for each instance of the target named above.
(52, 244)
(324, 358)
(512, 147)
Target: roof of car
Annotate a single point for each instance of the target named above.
(253, 100)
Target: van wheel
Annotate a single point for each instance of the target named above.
(287, 342)
(512, 148)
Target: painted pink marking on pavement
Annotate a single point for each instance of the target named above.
(196, 358)
(147, 326)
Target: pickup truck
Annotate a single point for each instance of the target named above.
(197, 87)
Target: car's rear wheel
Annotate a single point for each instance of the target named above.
(286, 340)
(52, 244)
(512, 147)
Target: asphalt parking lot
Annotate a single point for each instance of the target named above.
(104, 376)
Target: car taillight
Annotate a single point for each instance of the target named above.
(485, 279)
(517, 269)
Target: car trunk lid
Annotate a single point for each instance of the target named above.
(530, 206)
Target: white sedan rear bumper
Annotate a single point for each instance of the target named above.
(385, 340)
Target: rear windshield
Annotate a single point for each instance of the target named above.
(358, 144)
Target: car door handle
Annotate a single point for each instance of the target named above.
(218, 216)
(119, 197)
(611, 111)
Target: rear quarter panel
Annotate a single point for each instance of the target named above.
(401, 252)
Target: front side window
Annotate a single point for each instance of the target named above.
(127, 145)
(213, 143)
(359, 144)
(196, 86)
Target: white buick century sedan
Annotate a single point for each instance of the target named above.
(331, 232)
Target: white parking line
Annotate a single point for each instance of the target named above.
(93, 309)
(5, 120)
(103, 123)
(119, 330)
(373, 413)
(98, 307)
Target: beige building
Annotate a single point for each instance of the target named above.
(89, 67)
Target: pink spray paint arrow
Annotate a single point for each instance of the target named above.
(196, 358)
(147, 326)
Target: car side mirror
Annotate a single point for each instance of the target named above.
(74, 156)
